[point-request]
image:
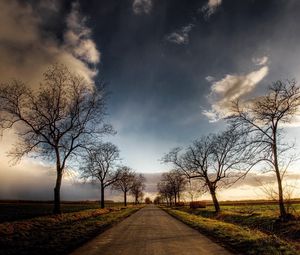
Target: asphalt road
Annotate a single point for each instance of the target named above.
(151, 231)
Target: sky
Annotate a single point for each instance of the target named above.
(171, 69)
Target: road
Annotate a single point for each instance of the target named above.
(151, 231)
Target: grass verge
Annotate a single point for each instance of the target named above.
(239, 239)
(58, 234)
(263, 218)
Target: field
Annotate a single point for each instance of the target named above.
(18, 210)
(243, 225)
(26, 232)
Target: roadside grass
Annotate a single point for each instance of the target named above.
(239, 239)
(261, 217)
(58, 234)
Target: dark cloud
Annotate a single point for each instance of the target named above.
(159, 89)
(140, 7)
(38, 184)
(151, 182)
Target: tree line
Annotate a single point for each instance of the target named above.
(254, 139)
(63, 121)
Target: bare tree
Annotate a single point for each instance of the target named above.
(157, 200)
(262, 118)
(194, 190)
(270, 190)
(180, 182)
(138, 187)
(216, 160)
(125, 181)
(100, 164)
(165, 191)
(148, 200)
(172, 184)
(54, 121)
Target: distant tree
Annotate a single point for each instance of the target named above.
(100, 164)
(165, 191)
(194, 190)
(270, 190)
(125, 181)
(172, 184)
(262, 119)
(179, 181)
(157, 200)
(216, 160)
(148, 200)
(55, 121)
(138, 187)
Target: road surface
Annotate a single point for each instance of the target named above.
(151, 231)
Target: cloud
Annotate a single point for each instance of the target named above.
(142, 6)
(256, 179)
(230, 88)
(260, 61)
(181, 36)
(209, 78)
(26, 51)
(78, 37)
(151, 182)
(52, 5)
(211, 7)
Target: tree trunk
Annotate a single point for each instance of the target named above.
(280, 194)
(56, 209)
(279, 181)
(215, 200)
(125, 198)
(102, 196)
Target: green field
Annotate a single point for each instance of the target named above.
(262, 217)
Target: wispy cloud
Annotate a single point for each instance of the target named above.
(230, 88)
(180, 36)
(78, 37)
(260, 61)
(142, 6)
(211, 7)
(209, 78)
